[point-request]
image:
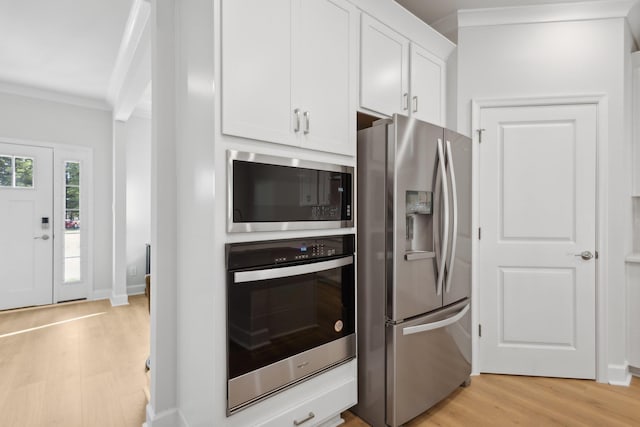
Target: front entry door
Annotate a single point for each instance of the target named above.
(537, 212)
(26, 224)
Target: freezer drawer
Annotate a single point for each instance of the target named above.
(427, 359)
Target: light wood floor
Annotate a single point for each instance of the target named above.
(85, 372)
(89, 372)
(502, 400)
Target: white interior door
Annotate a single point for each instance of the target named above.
(537, 212)
(26, 243)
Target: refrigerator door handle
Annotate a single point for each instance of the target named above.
(445, 238)
(454, 232)
(409, 330)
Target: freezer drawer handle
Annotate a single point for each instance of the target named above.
(296, 270)
(436, 325)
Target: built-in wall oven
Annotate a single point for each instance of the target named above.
(267, 193)
(290, 313)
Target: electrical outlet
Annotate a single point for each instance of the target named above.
(133, 270)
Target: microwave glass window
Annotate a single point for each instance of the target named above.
(273, 193)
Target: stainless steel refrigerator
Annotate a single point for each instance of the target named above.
(414, 268)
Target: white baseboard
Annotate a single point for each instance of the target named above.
(135, 289)
(117, 300)
(619, 375)
(101, 294)
(169, 418)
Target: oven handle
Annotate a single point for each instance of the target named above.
(296, 270)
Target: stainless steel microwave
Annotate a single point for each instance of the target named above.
(268, 193)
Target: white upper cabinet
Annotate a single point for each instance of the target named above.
(427, 86)
(398, 76)
(256, 70)
(384, 77)
(288, 72)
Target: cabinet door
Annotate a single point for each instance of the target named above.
(256, 70)
(427, 86)
(384, 68)
(323, 74)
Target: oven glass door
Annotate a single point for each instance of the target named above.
(279, 312)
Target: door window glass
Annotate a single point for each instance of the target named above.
(16, 172)
(72, 235)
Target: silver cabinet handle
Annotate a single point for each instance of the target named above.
(296, 270)
(454, 232)
(415, 104)
(309, 417)
(43, 237)
(297, 113)
(405, 101)
(445, 239)
(436, 325)
(306, 122)
(585, 255)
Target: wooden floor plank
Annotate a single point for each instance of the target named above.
(503, 400)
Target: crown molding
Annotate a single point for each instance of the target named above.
(558, 12)
(447, 26)
(53, 96)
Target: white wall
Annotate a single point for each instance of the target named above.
(138, 159)
(564, 58)
(33, 119)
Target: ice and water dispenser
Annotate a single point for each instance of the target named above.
(419, 223)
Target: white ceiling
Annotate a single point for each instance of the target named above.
(431, 11)
(65, 46)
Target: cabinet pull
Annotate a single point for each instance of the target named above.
(405, 101)
(415, 104)
(306, 122)
(297, 113)
(310, 416)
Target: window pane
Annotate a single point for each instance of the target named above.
(6, 171)
(72, 269)
(72, 220)
(24, 172)
(73, 198)
(72, 173)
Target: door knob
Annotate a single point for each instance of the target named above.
(585, 255)
(43, 237)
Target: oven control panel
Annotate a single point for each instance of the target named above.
(276, 252)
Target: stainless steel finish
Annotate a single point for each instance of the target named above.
(454, 230)
(297, 114)
(445, 238)
(307, 120)
(43, 237)
(405, 101)
(436, 325)
(410, 165)
(585, 255)
(296, 270)
(412, 256)
(282, 161)
(309, 417)
(424, 368)
(419, 340)
(256, 385)
(415, 104)
(459, 272)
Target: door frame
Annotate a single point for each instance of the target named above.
(600, 101)
(61, 153)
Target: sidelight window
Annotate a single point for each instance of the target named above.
(72, 233)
